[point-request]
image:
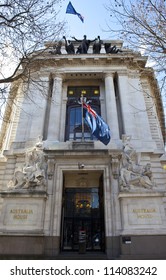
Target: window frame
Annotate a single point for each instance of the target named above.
(73, 103)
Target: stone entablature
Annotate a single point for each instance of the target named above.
(117, 61)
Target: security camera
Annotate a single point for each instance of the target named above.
(81, 165)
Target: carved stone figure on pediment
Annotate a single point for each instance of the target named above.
(33, 172)
(132, 174)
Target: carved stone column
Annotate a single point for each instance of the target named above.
(55, 112)
(125, 98)
(63, 112)
(111, 108)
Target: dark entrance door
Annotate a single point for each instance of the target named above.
(83, 212)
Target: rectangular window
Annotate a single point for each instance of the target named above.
(74, 125)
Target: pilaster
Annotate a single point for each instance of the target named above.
(125, 107)
(55, 111)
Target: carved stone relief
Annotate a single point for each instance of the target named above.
(115, 163)
(50, 168)
(132, 174)
(34, 171)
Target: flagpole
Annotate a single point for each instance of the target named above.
(82, 101)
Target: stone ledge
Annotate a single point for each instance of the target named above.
(85, 145)
(145, 193)
(23, 193)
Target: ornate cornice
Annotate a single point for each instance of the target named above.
(131, 60)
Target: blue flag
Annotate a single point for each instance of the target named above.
(96, 124)
(70, 10)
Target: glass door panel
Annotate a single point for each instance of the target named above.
(82, 212)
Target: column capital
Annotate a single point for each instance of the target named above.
(57, 76)
(109, 74)
(122, 72)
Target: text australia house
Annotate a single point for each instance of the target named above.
(59, 185)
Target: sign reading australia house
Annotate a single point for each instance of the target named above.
(144, 214)
(21, 213)
(25, 216)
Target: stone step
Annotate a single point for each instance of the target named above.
(84, 256)
(61, 256)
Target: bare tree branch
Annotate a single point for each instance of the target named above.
(24, 26)
(142, 24)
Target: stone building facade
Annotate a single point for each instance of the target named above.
(61, 190)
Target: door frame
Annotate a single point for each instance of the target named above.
(56, 209)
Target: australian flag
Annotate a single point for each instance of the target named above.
(96, 124)
(70, 10)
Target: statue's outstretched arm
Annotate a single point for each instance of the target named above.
(76, 39)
